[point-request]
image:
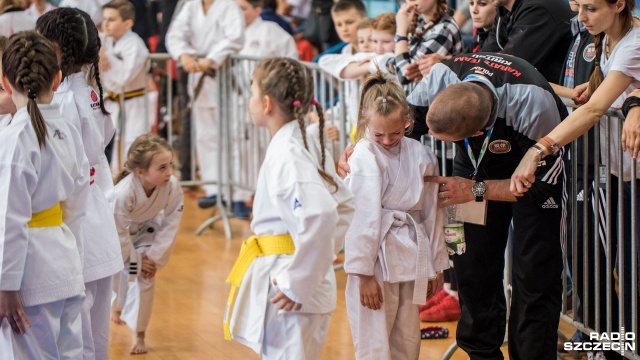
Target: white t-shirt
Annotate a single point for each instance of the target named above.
(625, 58)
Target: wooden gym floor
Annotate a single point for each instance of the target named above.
(191, 295)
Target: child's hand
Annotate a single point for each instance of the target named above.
(189, 64)
(332, 133)
(148, 267)
(581, 94)
(343, 165)
(370, 292)
(104, 64)
(11, 309)
(204, 64)
(283, 302)
(434, 284)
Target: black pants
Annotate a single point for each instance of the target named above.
(536, 281)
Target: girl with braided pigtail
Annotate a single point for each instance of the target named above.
(301, 212)
(394, 249)
(75, 36)
(45, 186)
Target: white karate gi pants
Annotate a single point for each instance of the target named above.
(293, 335)
(136, 123)
(55, 332)
(393, 332)
(205, 121)
(95, 318)
(135, 299)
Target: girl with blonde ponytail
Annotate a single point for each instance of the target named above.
(44, 184)
(394, 249)
(300, 214)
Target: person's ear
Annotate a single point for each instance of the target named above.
(620, 5)
(128, 23)
(139, 172)
(267, 104)
(57, 79)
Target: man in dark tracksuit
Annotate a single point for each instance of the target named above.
(535, 30)
(522, 108)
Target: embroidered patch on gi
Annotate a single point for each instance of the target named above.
(296, 204)
(500, 147)
(589, 53)
(95, 104)
(59, 134)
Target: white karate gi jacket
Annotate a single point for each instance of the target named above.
(128, 59)
(15, 21)
(33, 12)
(147, 221)
(214, 35)
(267, 39)
(80, 105)
(334, 64)
(292, 198)
(44, 263)
(398, 228)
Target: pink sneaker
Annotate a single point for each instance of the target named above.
(437, 298)
(446, 310)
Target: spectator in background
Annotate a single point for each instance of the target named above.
(91, 7)
(269, 13)
(14, 18)
(39, 7)
(537, 31)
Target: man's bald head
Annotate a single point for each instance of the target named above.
(459, 111)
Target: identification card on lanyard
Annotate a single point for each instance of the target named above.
(476, 161)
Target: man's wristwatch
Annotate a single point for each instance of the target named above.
(399, 38)
(478, 189)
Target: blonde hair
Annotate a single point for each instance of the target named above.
(382, 96)
(294, 96)
(141, 153)
(365, 24)
(385, 22)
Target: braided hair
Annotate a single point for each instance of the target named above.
(626, 17)
(141, 153)
(294, 97)
(30, 65)
(383, 96)
(77, 37)
(441, 10)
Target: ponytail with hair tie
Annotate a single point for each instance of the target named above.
(31, 94)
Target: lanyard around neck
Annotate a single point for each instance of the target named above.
(476, 161)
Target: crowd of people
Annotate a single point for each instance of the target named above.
(75, 107)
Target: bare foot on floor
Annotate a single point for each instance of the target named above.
(115, 317)
(138, 344)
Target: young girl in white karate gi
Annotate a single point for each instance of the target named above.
(44, 183)
(394, 248)
(148, 208)
(77, 39)
(301, 211)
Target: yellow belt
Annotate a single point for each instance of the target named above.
(47, 217)
(127, 95)
(251, 248)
